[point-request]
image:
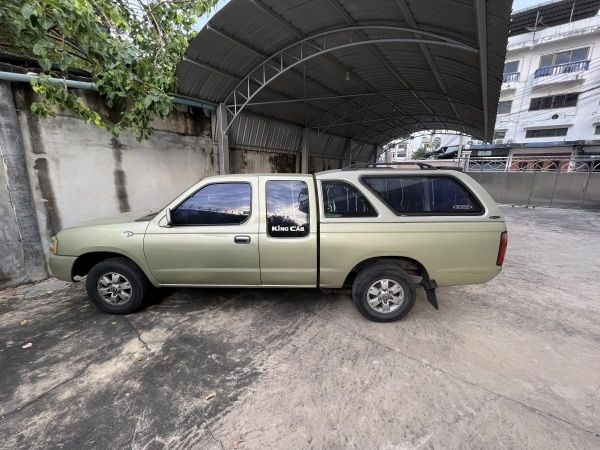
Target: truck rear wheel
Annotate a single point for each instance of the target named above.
(383, 292)
(117, 286)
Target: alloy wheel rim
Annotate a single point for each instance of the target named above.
(114, 288)
(385, 296)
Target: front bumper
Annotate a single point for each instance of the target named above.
(62, 266)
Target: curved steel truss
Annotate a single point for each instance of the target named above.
(338, 114)
(323, 43)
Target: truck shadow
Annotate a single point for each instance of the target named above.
(278, 301)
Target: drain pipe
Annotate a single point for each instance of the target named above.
(27, 78)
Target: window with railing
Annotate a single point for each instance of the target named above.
(510, 77)
(570, 61)
(511, 72)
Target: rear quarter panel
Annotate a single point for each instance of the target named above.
(455, 250)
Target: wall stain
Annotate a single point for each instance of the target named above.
(119, 175)
(52, 214)
(24, 97)
(283, 162)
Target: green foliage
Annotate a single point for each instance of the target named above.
(420, 153)
(130, 47)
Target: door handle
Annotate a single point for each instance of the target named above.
(242, 239)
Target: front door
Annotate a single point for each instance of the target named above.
(213, 238)
(288, 232)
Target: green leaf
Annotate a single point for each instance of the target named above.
(39, 48)
(133, 63)
(27, 10)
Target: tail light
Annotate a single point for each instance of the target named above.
(502, 249)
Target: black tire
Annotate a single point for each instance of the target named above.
(131, 273)
(377, 272)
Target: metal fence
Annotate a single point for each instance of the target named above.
(556, 182)
(559, 69)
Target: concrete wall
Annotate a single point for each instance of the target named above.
(78, 172)
(12, 265)
(21, 254)
(247, 161)
(319, 164)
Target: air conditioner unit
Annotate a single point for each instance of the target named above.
(499, 141)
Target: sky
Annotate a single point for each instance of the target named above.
(517, 4)
(520, 4)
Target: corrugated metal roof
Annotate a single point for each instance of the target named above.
(552, 14)
(374, 70)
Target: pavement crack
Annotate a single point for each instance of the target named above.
(211, 434)
(472, 383)
(138, 334)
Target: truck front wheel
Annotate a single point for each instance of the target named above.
(117, 286)
(383, 292)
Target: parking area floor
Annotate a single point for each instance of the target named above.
(514, 363)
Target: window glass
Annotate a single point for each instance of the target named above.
(546, 61)
(597, 129)
(562, 58)
(448, 197)
(546, 103)
(287, 209)
(553, 101)
(504, 107)
(499, 134)
(405, 195)
(215, 204)
(416, 195)
(581, 54)
(571, 99)
(547, 132)
(511, 67)
(558, 101)
(341, 199)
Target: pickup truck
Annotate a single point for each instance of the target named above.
(381, 231)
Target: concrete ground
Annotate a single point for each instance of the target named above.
(514, 363)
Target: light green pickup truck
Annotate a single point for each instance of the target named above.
(381, 231)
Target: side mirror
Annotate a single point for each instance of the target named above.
(168, 218)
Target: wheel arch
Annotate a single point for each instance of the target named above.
(410, 265)
(84, 263)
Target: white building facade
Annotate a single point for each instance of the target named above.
(550, 98)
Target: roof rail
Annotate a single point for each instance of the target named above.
(419, 164)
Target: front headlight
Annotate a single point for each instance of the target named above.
(53, 245)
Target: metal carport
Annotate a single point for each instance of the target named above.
(363, 72)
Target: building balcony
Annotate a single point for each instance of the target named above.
(511, 77)
(510, 81)
(561, 73)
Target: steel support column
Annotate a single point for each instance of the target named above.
(222, 139)
(480, 8)
(349, 152)
(305, 150)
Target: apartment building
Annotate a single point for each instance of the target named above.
(550, 97)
